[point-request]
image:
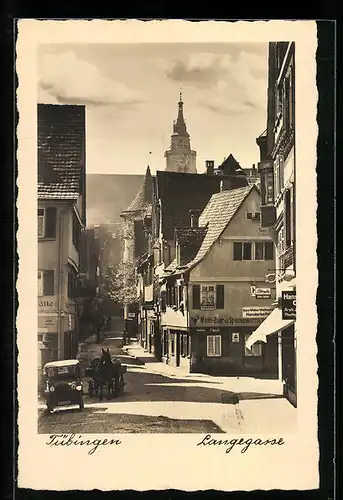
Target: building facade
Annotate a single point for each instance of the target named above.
(180, 157)
(277, 170)
(61, 217)
(215, 290)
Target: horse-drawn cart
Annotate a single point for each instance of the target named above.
(106, 374)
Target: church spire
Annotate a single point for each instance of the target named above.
(180, 125)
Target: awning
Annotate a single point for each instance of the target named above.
(273, 323)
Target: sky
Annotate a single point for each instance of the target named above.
(131, 92)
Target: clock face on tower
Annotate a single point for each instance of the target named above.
(182, 162)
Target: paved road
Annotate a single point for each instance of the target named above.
(147, 405)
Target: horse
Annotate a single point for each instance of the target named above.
(109, 375)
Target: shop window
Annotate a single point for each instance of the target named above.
(184, 346)
(46, 283)
(46, 221)
(256, 349)
(214, 345)
(172, 344)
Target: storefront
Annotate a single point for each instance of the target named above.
(222, 351)
(218, 346)
(283, 331)
(176, 347)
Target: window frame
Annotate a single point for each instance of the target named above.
(42, 287)
(43, 217)
(252, 250)
(208, 307)
(214, 355)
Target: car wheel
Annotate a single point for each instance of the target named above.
(49, 409)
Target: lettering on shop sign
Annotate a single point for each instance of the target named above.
(202, 320)
(68, 440)
(45, 303)
(240, 443)
(288, 304)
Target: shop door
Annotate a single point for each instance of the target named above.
(289, 364)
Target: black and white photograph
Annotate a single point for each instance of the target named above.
(169, 235)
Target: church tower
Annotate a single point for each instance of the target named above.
(180, 157)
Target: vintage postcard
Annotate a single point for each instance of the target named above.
(167, 255)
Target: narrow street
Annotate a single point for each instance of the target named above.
(147, 405)
(205, 404)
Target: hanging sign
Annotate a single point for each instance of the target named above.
(288, 305)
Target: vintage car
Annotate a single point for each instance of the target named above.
(63, 384)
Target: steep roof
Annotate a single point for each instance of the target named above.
(143, 199)
(61, 150)
(218, 213)
(230, 166)
(181, 192)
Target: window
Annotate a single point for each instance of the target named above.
(41, 222)
(208, 297)
(258, 250)
(214, 345)
(264, 250)
(172, 343)
(46, 221)
(256, 349)
(287, 218)
(46, 283)
(281, 241)
(242, 250)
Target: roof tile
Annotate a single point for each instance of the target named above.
(61, 146)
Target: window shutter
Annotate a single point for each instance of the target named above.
(196, 296)
(50, 222)
(48, 283)
(237, 251)
(287, 218)
(220, 296)
(269, 250)
(247, 251)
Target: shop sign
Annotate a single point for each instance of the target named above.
(288, 305)
(229, 320)
(235, 338)
(261, 293)
(256, 312)
(46, 304)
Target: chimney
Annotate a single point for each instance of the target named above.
(194, 215)
(209, 167)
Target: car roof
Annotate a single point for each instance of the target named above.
(64, 362)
